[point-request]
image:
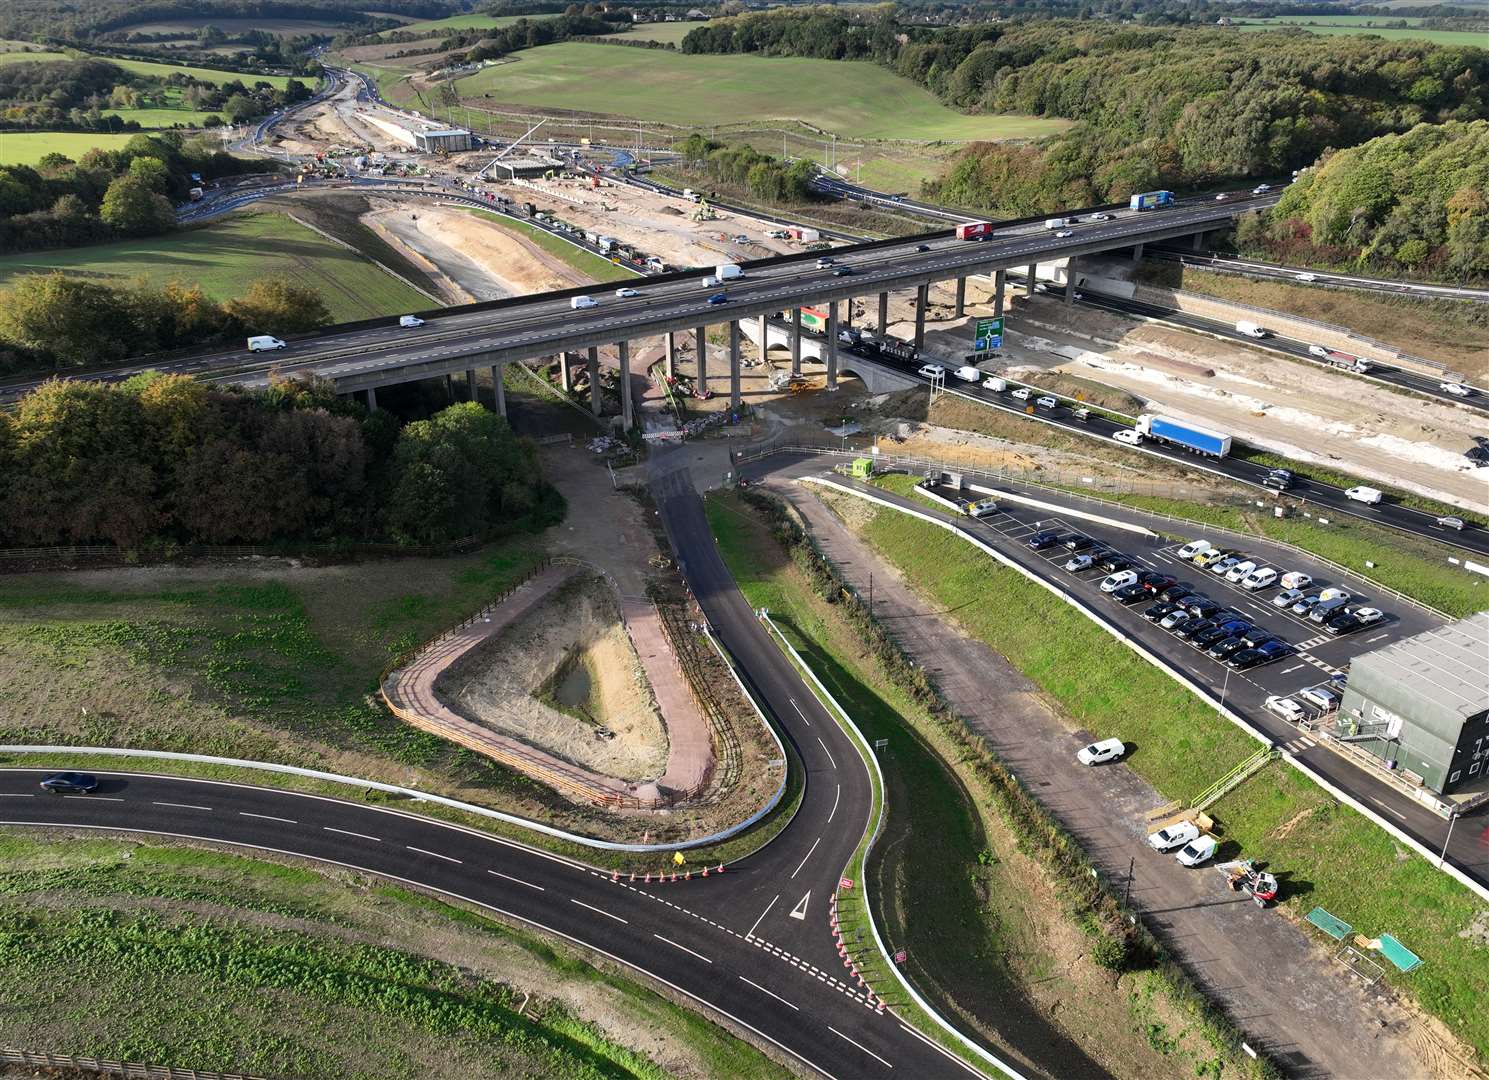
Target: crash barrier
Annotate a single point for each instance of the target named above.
(41, 1059)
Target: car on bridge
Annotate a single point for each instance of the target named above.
(717, 299)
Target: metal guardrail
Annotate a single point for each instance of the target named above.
(42, 1059)
(916, 464)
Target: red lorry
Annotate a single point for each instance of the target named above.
(974, 230)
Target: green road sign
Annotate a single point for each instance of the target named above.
(987, 335)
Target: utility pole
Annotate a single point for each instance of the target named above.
(1127, 889)
(871, 596)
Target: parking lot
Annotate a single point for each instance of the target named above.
(1314, 658)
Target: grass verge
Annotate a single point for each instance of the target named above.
(282, 970)
(586, 262)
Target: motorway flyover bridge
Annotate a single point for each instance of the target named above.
(363, 357)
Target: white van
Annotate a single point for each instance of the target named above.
(577, 302)
(1263, 577)
(992, 382)
(408, 322)
(1193, 548)
(1368, 495)
(263, 343)
(1296, 579)
(1113, 582)
(1333, 592)
(968, 373)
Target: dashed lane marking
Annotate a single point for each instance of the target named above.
(826, 751)
(805, 857)
(518, 880)
(434, 854)
(271, 817)
(861, 1046)
(180, 805)
(772, 993)
(348, 832)
(599, 911)
(16, 795)
(837, 794)
(684, 948)
(94, 798)
(800, 713)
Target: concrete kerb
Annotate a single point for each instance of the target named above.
(1183, 680)
(861, 745)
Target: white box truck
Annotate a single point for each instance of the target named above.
(691, 195)
(1368, 495)
(1056, 223)
(727, 271)
(263, 343)
(1251, 329)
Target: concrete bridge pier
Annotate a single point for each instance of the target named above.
(594, 381)
(848, 313)
(764, 339)
(1033, 278)
(450, 387)
(922, 299)
(735, 399)
(565, 374)
(671, 350)
(1000, 282)
(1137, 253)
(470, 384)
(627, 420)
(1070, 278)
(371, 398)
(961, 297)
(1198, 241)
(499, 390)
(796, 341)
(883, 325)
(832, 345)
(700, 342)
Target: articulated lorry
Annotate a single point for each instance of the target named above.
(974, 230)
(1189, 437)
(1150, 200)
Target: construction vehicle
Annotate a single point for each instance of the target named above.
(1244, 875)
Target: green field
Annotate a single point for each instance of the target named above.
(29, 147)
(161, 118)
(1336, 25)
(215, 76)
(434, 27)
(673, 31)
(226, 257)
(854, 99)
(18, 56)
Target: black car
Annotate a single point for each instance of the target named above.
(1223, 650)
(1278, 479)
(1130, 594)
(1041, 540)
(922, 248)
(1249, 658)
(1077, 542)
(1174, 593)
(1202, 607)
(1220, 633)
(1115, 561)
(1191, 629)
(842, 271)
(1256, 635)
(1340, 625)
(1158, 611)
(70, 783)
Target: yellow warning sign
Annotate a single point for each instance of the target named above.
(677, 858)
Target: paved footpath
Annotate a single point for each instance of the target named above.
(1284, 993)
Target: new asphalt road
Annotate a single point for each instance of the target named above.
(752, 945)
(1212, 260)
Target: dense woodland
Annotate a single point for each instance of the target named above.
(163, 460)
(765, 177)
(109, 194)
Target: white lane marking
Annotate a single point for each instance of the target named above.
(268, 817)
(1377, 637)
(800, 910)
(599, 911)
(860, 1045)
(1295, 667)
(1387, 809)
(799, 712)
(826, 751)
(433, 854)
(807, 856)
(348, 832)
(772, 993)
(518, 880)
(95, 798)
(684, 948)
(764, 913)
(952, 1057)
(16, 795)
(836, 795)
(181, 805)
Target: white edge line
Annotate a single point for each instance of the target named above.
(940, 1049)
(828, 752)
(835, 799)
(434, 854)
(348, 832)
(861, 1046)
(599, 911)
(684, 948)
(772, 993)
(518, 880)
(459, 896)
(180, 805)
(268, 817)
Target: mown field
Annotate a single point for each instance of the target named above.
(277, 969)
(433, 27)
(659, 31)
(859, 100)
(29, 147)
(216, 76)
(227, 256)
(1351, 25)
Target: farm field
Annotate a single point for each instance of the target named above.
(29, 147)
(431, 27)
(226, 257)
(160, 118)
(17, 52)
(1353, 25)
(673, 32)
(215, 76)
(855, 99)
(188, 26)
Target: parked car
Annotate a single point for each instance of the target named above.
(1250, 658)
(1113, 561)
(1263, 577)
(1287, 598)
(1076, 542)
(1226, 648)
(1076, 563)
(1333, 592)
(1119, 580)
(1305, 605)
(1241, 570)
(1193, 548)
(1175, 592)
(1223, 566)
(1218, 633)
(69, 783)
(1203, 607)
(1256, 636)
(1321, 698)
(1045, 539)
(1130, 594)
(1198, 851)
(1296, 579)
(1157, 611)
(1286, 708)
(1173, 836)
(1195, 625)
(1325, 610)
(1206, 559)
(1175, 619)
(1101, 752)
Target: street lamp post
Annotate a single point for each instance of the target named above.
(1452, 820)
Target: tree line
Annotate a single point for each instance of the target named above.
(1151, 106)
(81, 20)
(163, 460)
(765, 177)
(109, 194)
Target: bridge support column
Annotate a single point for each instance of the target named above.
(565, 375)
(735, 399)
(499, 390)
(848, 313)
(450, 387)
(671, 347)
(1000, 282)
(883, 314)
(1033, 279)
(700, 340)
(961, 297)
(594, 381)
(764, 338)
(626, 417)
(922, 300)
(832, 345)
(796, 341)
(1137, 253)
(371, 398)
(1070, 279)
(470, 384)
(1198, 241)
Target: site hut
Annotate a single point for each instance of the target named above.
(1421, 704)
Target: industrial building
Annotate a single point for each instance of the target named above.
(443, 140)
(416, 136)
(1421, 705)
(525, 168)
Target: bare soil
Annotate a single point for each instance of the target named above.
(498, 685)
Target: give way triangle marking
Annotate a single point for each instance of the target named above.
(800, 910)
